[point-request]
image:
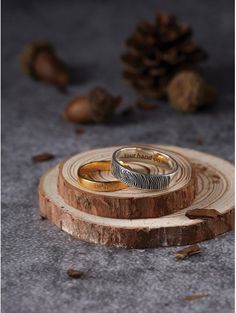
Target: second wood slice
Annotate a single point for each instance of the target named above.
(215, 194)
(130, 203)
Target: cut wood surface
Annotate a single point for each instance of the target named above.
(173, 229)
(131, 202)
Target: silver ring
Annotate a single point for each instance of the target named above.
(134, 178)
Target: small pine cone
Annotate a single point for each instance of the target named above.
(188, 91)
(156, 51)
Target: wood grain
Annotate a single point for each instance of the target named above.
(131, 202)
(174, 229)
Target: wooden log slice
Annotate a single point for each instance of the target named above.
(215, 180)
(131, 202)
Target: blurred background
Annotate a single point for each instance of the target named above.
(90, 37)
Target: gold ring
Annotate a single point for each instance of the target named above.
(96, 185)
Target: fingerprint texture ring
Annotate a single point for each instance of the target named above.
(167, 167)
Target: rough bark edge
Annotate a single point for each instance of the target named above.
(130, 207)
(136, 237)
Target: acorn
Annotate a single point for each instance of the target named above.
(96, 107)
(188, 91)
(39, 61)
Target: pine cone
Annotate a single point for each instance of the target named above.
(156, 52)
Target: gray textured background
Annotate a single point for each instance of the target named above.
(36, 254)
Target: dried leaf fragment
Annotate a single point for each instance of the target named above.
(216, 177)
(79, 131)
(187, 252)
(72, 273)
(195, 296)
(127, 112)
(42, 157)
(199, 141)
(202, 169)
(202, 214)
(144, 105)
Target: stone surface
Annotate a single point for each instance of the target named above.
(36, 255)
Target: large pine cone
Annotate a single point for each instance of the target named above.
(156, 52)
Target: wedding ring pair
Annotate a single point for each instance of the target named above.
(122, 166)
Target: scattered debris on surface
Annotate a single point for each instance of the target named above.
(216, 178)
(72, 273)
(127, 112)
(144, 105)
(187, 252)
(195, 296)
(42, 157)
(79, 131)
(202, 214)
(199, 141)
